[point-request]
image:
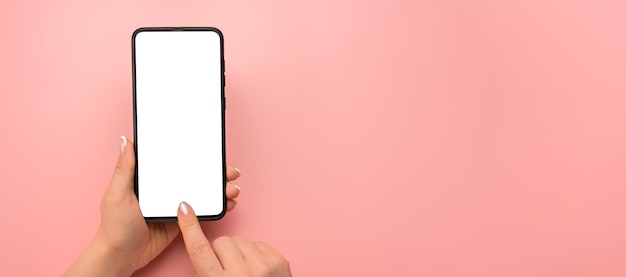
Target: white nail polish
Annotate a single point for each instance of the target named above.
(237, 169)
(122, 144)
(237, 187)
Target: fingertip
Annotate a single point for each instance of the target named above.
(232, 191)
(230, 205)
(123, 143)
(184, 208)
(186, 217)
(126, 160)
(123, 175)
(232, 173)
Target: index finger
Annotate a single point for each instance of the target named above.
(200, 251)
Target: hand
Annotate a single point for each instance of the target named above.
(125, 242)
(228, 256)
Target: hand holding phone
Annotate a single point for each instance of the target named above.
(125, 242)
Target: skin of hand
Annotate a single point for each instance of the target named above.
(228, 256)
(125, 242)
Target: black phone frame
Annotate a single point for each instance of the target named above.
(223, 114)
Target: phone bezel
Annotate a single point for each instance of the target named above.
(223, 115)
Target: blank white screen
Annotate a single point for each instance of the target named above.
(179, 133)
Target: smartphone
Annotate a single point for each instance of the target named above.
(179, 104)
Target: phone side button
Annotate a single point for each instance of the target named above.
(224, 103)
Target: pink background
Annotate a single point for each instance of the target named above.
(376, 138)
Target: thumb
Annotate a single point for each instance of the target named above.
(123, 178)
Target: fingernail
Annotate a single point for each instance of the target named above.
(237, 187)
(237, 169)
(184, 208)
(122, 144)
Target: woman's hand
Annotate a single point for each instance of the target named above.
(125, 242)
(226, 256)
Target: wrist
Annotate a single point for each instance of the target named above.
(114, 263)
(100, 259)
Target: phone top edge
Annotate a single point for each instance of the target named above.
(178, 29)
(153, 29)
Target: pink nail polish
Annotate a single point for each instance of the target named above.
(184, 208)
